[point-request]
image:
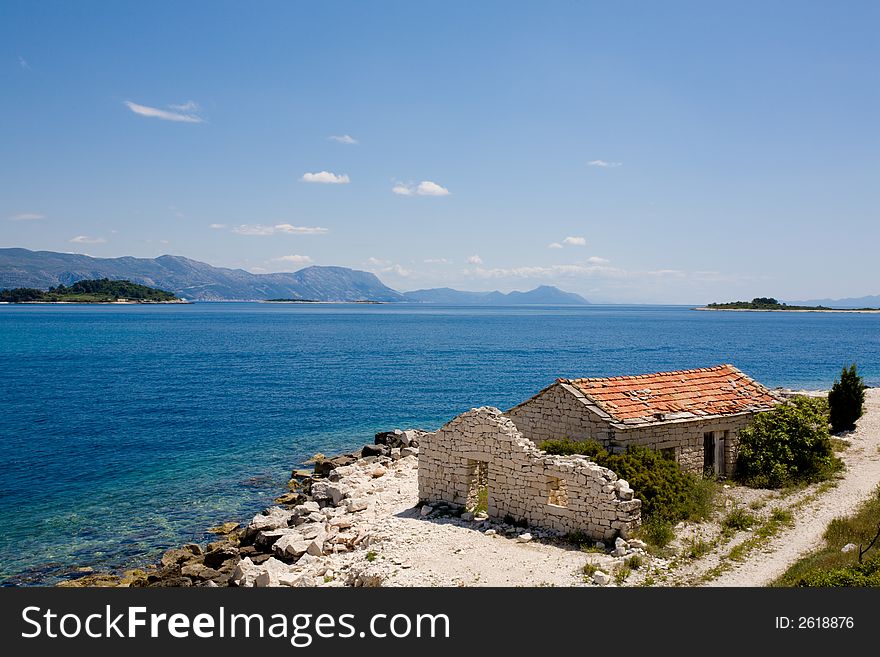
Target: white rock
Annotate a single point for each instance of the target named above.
(273, 518)
(357, 504)
(244, 573)
(618, 552)
(619, 542)
(601, 578)
(291, 546)
(621, 484)
(270, 572)
(849, 547)
(637, 544)
(524, 538)
(490, 532)
(426, 510)
(343, 522)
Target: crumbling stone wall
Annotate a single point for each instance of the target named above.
(564, 494)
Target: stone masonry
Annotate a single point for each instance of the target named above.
(484, 449)
(559, 413)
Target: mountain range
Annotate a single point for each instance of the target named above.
(196, 280)
(870, 301)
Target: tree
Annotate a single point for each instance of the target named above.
(846, 399)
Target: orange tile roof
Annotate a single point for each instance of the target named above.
(719, 390)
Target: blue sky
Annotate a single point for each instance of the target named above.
(674, 152)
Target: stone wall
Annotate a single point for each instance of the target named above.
(483, 445)
(563, 412)
(559, 413)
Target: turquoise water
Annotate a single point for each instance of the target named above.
(128, 429)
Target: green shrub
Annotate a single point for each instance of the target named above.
(621, 573)
(665, 491)
(589, 569)
(635, 562)
(846, 400)
(787, 445)
(860, 574)
(656, 532)
(738, 520)
(668, 495)
(697, 547)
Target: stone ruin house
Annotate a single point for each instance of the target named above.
(482, 452)
(692, 416)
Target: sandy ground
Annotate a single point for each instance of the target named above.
(861, 477)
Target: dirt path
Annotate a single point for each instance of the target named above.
(861, 477)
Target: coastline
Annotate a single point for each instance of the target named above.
(802, 310)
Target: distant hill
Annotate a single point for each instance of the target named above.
(89, 291)
(191, 279)
(543, 295)
(870, 301)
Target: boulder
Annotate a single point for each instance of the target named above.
(378, 471)
(409, 451)
(637, 544)
(244, 573)
(356, 504)
(426, 510)
(375, 450)
(225, 528)
(600, 578)
(219, 554)
(176, 556)
(272, 518)
(290, 499)
(524, 538)
(291, 546)
(271, 572)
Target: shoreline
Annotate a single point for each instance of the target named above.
(870, 311)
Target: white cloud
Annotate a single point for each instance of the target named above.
(188, 106)
(165, 115)
(378, 265)
(218, 226)
(343, 139)
(596, 260)
(554, 245)
(27, 216)
(295, 259)
(552, 271)
(575, 241)
(437, 261)
(604, 164)
(325, 177)
(424, 188)
(475, 260)
(85, 239)
(23, 63)
(261, 229)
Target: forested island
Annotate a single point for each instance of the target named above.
(102, 290)
(769, 303)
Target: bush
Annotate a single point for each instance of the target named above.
(657, 532)
(787, 445)
(738, 520)
(846, 400)
(863, 574)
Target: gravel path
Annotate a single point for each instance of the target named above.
(861, 477)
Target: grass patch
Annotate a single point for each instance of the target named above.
(829, 566)
(757, 505)
(621, 573)
(656, 532)
(482, 505)
(635, 562)
(778, 519)
(737, 520)
(371, 556)
(696, 548)
(589, 570)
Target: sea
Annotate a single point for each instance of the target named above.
(129, 429)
